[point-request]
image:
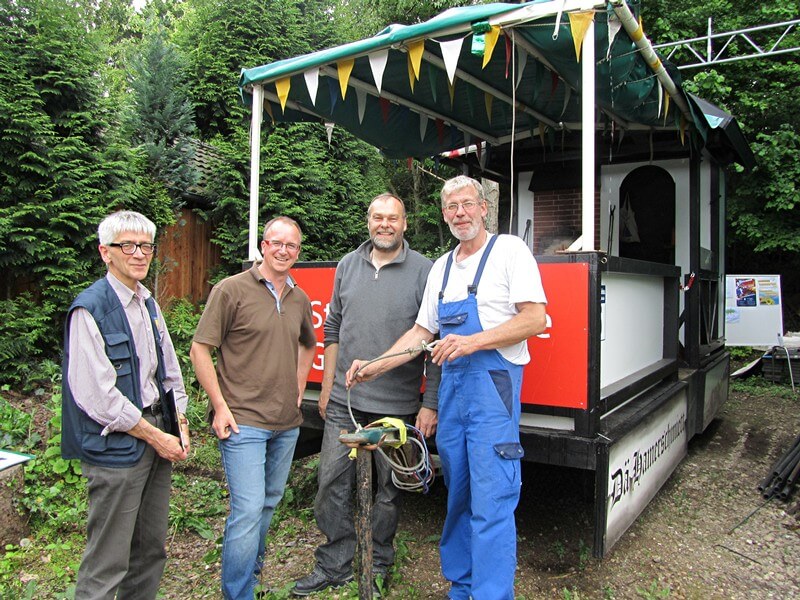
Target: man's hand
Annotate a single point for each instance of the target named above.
(357, 374)
(224, 424)
(322, 403)
(167, 446)
(453, 346)
(427, 420)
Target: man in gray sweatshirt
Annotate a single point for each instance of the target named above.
(377, 293)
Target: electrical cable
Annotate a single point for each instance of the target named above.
(415, 477)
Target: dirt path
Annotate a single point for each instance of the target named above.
(707, 534)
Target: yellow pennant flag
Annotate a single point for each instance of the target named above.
(282, 86)
(487, 100)
(666, 107)
(490, 41)
(578, 24)
(683, 131)
(411, 79)
(268, 107)
(344, 68)
(415, 50)
(452, 87)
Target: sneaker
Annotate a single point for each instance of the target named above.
(316, 582)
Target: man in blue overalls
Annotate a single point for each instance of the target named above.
(484, 299)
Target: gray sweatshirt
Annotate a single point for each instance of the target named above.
(369, 310)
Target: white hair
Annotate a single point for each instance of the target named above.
(122, 221)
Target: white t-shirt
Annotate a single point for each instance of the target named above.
(510, 276)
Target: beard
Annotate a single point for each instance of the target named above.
(387, 244)
(464, 235)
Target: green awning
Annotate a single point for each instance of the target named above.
(535, 48)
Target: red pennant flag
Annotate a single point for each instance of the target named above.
(508, 53)
(440, 130)
(553, 84)
(385, 107)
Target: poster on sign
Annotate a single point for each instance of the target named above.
(753, 314)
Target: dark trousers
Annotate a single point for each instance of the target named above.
(333, 507)
(126, 529)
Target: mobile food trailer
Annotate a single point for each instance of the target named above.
(566, 104)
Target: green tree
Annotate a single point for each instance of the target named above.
(162, 123)
(60, 164)
(763, 215)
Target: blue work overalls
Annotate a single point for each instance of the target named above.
(478, 441)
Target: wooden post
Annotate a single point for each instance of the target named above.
(363, 522)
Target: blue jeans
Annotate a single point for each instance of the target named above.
(256, 463)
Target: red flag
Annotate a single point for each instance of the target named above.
(385, 107)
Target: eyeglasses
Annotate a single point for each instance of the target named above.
(278, 245)
(130, 247)
(467, 206)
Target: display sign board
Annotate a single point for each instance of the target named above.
(753, 310)
(641, 462)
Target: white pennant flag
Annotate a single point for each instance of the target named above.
(377, 62)
(329, 131)
(361, 98)
(614, 25)
(450, 52)
(660, 96)
(423, 126)
(312, 83)
(522, 60)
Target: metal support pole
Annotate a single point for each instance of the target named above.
(255, 167)
(363, 522)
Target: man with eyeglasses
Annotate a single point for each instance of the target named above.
(261, 326)
(119, 365)
(377, 293)
(484, 299)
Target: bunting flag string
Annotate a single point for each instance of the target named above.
(361, 99)
(522, 60)
(614, 26)
(660, 91)
(282, 87)
(332, 93)
(344, 68)
(385, 107)
(433, 80)
(579, 24)
(451, 50)
(312, 83)
(553, 84)
(377, 64)
(415, 51)
(491, 41)
(509, 50)
(329, 130)
(268, 108)
(567, 96)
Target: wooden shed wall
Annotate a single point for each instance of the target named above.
(188, 258)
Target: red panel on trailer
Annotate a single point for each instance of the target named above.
(317, 282)
(558, 373)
